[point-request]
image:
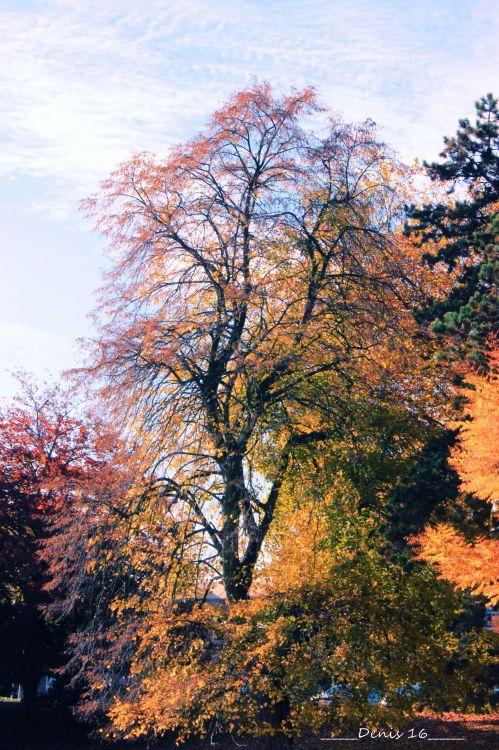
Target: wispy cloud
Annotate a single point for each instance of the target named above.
(84, 84)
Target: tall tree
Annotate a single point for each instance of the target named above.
(254, 284)
(465, 227)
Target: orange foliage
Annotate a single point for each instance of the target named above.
(476, 458)
(474, 566)
(477, 455)
(256, 274)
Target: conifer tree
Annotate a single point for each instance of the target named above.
(465, 227)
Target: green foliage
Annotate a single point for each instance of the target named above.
(381, 633)
(465, 230)
(428, 487)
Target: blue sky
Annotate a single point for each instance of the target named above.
(84, 83)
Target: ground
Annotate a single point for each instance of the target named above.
(49, 730)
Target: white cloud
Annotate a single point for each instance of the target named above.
(85, 84)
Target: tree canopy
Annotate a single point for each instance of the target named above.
(256, 282)
(46, 454)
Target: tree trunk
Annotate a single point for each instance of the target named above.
(237, 577)
(278, 741)
(276, 715)
(30, 694)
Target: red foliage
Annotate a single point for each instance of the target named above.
(47, 455)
